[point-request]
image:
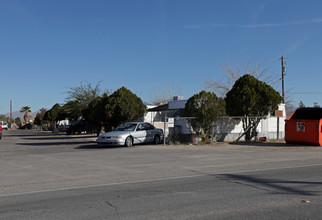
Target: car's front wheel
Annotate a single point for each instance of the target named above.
(129, 142)
(156, 139)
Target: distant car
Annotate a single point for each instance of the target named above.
(131, 133)
(4, 125)
(0, 131)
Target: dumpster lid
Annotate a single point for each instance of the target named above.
(308, 114)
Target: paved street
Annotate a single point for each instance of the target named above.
(45, 176)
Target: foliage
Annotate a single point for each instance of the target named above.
(111, 111)
(18, 121)
(39, 120)
(26, 110)
(54, 114)
(72, 110)
(207, 107)
(95, 113)
(122, 106)
(251, 99)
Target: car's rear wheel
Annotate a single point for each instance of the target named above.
(129, 142)
(156, 139)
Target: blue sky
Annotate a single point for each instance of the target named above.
(48, 46)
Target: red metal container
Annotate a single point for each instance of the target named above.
(304, 126)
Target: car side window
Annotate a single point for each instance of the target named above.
(148, 126)
(140, 127)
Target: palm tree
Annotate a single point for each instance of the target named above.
(26, 110)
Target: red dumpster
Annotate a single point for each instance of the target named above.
(304, 126)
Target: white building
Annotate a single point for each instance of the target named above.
(226, 128)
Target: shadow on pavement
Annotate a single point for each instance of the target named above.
(272, 185)
(95, 146)
(54, 137)
(269, 144)
(54, 143)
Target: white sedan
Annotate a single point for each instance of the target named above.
(131, 133)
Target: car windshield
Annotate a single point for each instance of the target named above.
(126, 127)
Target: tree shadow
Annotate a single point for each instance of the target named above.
(27, 135)
(96, 146)
(60, 137)
(55, 143)
(30, 133)
(269, 144)
(272, 185)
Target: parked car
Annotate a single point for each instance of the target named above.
(0, 131)
(131, 133)
(81, 127)
(4, 125)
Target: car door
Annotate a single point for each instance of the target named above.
(140, 134)
(151, 132)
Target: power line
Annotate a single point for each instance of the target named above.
(318, 71)
(304, 93)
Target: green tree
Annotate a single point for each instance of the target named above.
(251, 99)
(122, 106)
(26, 110)
(18, 121)
(72, 110)
(54, 115)
(39, 120)
(207, 108)
(95, 113)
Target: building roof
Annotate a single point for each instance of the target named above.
(160, 108)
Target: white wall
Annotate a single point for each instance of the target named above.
(229, 128)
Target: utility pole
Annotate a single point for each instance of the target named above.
(283, 74)
(10, 111)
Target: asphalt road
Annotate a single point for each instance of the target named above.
(46, 176)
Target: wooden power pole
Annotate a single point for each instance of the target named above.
(283, 74)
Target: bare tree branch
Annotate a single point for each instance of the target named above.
(232, 73)
(84, 94)
(164, 93)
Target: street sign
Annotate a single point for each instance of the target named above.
(278, 113)
(170, 122)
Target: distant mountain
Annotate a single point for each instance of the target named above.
(19, 114)
(146, 103)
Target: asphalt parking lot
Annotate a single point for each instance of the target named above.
(42, 174)
(33, 160)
